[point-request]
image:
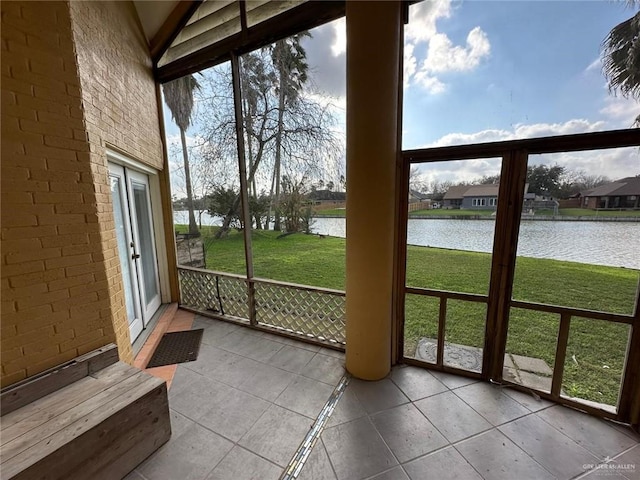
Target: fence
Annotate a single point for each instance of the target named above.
(311, 313)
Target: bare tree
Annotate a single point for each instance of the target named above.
(300, 136)
(416, 180)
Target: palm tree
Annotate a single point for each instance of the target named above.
(289, 59)
(178, 94)
(621, 58)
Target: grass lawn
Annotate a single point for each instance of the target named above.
(596, 350)
(331, 212)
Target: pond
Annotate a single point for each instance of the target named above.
(603, 243)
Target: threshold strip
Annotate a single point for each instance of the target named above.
(302, 454)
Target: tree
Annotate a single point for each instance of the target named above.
(488, 180)
(307, 141)
(545, 180)
(621, 58)
(416, 181)
(178, 94)
(439, 189)
(289, 60)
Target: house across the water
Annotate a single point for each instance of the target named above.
(472, 197)
(624, 193)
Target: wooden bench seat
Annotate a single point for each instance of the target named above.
(99, 426)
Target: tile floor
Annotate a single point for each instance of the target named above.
(242, 409)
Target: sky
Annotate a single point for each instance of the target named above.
(478, 71)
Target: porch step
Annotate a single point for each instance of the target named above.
(100, 426)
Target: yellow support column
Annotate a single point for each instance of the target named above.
(374, 36)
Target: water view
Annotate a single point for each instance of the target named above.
(602, 243)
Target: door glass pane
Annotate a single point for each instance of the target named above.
(123, 248)
(145, 248)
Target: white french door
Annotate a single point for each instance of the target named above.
(136, 245)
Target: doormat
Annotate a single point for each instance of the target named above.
(177, 347)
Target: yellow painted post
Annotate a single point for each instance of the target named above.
(374, 36)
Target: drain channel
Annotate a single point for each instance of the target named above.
(300, 457)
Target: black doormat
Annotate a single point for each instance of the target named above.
(177, 347)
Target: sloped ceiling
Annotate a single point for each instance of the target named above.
(189, 35)
(153, 14)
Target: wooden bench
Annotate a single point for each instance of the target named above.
(92, 418)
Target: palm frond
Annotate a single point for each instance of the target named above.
(178, 94)
(621, 57)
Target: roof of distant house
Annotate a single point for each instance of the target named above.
(461, 191)
(418, 195)
(456, 192)
(486, 190)
(624, 186)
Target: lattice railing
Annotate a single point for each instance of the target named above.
(218, 293)
(301, 310)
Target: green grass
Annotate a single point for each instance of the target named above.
(598, 347)
(333, 212)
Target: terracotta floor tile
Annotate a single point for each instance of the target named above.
(181, 320)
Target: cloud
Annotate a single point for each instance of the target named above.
(326, 57)
(409, 63)
(614, 163)
(339, 45)
(519, 131)
(431, 84)
(595, 65)
(442, 56)
(620, 111)
(423, 17)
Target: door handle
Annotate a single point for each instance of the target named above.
(135, 256)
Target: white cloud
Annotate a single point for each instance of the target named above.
(431, 84)
(409, 64)
(339, 45)
(620, 111)
(613, 163)
(423, 17)
(519, 131)
(595, 65)
(443, 56)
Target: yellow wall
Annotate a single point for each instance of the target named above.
(120, 110)
(61, 283)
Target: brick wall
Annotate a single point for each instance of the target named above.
(54, 286)
(118, 93)
(74, 78)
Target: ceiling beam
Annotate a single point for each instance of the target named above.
(304, 17)
(172, 26)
